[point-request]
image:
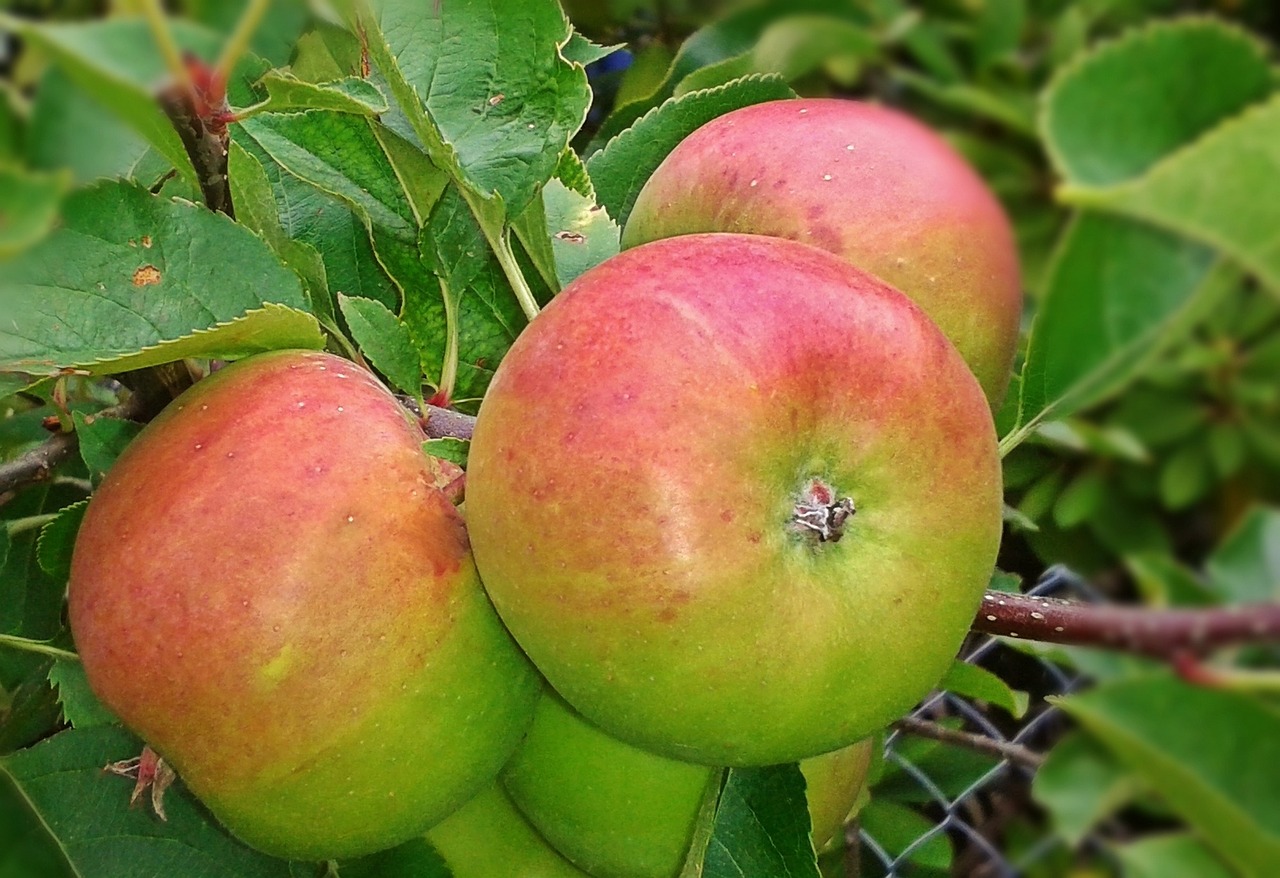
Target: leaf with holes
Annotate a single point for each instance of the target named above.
(133, 280)
(582, 233)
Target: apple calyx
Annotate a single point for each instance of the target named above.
(817, 512)
(149, 770)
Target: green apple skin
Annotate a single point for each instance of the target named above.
(633, 479)
(865, 182)
(270, 589)
(488, 838)
(622, 812)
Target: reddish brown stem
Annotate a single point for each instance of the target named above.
(1163, 634)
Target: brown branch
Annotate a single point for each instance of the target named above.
(442, 423)
(37, 464)
(151, 391)
(1162, 634)
(1015, 753)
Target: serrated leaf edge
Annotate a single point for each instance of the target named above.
(1121, 42)
(1099, 197)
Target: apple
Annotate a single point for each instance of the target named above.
(272, 590)
(871, 185)
(488, 838)
(736, 499)
(622, 812)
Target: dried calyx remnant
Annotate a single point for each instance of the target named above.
(817, 512)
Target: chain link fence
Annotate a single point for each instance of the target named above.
(966, 815)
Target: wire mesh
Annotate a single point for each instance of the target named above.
(966, 817)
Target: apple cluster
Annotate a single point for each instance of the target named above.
(732, 500)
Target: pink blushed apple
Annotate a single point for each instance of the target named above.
(868, 183)
(737, 499)
(272, 590)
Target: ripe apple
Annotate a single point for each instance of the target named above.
(622, 812)
(272, 590)
(871, 185)
(488, 838)
(736, 499)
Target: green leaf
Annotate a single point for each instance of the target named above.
(413, 859)
(80, 707)
(102, 440)
(128, 271)
(1185, 476)
(582, 233)
(999, 30)
(896, 828)
(4, 546)
(530, 229)
(87, 811)
(1118, 292)
(351, 94)
(761, 826)
(1081, 498)
(1246, 567)
(791, 48)
(28, 208)
(580, 50)
(1223, 190)
(321, 221)
(449, 448)
(338, 153)
(493, 82)
(1170, 856)
(1080, 784)
(57, 538)
(1015, 110)
(727, 37)
(621, 169)
(385, 341)
(1108, 118)
(13, 123)
(254, 198)
(55, 137)
(117, 63)
(472, 312)
(978, 683)
(1163, 581)
(30, 599)
(1204, 751)
(26, 848)
(326, 53)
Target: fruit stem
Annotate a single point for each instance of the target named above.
(169, 48)
(239, 40)
(507, 259)
(40, 647)
(31, 522)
